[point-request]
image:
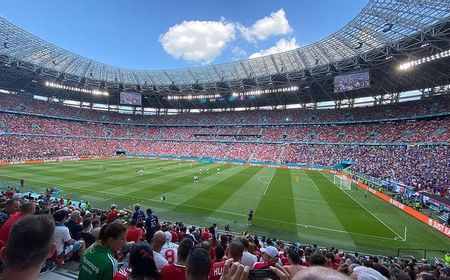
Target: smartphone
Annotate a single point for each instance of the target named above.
(262, 274)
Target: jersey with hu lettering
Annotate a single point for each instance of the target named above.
(216, 270)
(169, 251)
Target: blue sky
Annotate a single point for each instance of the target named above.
(157, 35)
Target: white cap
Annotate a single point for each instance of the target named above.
(271, 251)
(168, 236)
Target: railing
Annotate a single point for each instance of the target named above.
(420, 253)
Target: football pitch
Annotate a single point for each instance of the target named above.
(289, 204)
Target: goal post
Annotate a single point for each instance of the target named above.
(342, 182)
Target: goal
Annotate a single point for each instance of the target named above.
(342, 182)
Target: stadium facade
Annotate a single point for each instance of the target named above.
(385, 35)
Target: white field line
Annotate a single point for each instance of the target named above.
(313, 183)
(262, 181)
(398, 236)
(268, 184)
(140, 199)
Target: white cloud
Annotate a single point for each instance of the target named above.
(198, 41)
(281, 46)
(275, 24)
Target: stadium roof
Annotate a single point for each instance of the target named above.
(385, 33)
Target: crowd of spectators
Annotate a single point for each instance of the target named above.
(119, 244)
(435, 105)
(401, 132)
(421, 167)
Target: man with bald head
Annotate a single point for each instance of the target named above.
(319, 272)
(157, 243)
(234, 251)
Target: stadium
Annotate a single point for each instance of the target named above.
(341, 144)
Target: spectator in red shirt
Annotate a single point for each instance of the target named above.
(234, 250)
(177, 270)
(135, 233)
(198, 264)
(113, 213)
(27, 208)
(11, 206)
(9, 193)
(205, 235)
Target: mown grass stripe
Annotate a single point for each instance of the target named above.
(275, 208)
(217, 194)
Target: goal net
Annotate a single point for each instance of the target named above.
(342, 182)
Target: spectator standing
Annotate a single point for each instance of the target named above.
(151, 225)
(169, 249)
(138, 214)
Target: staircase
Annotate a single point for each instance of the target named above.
(279, 159)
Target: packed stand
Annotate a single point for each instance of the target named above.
(402, 132)
(435, 105)
(123, 244)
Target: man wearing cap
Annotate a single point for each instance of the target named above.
(169, 249)
(269, 258)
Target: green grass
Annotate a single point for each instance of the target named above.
(312, 210)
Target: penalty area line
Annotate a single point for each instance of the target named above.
(268, 184)
(368, 211)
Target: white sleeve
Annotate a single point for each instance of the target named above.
(66, 235)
